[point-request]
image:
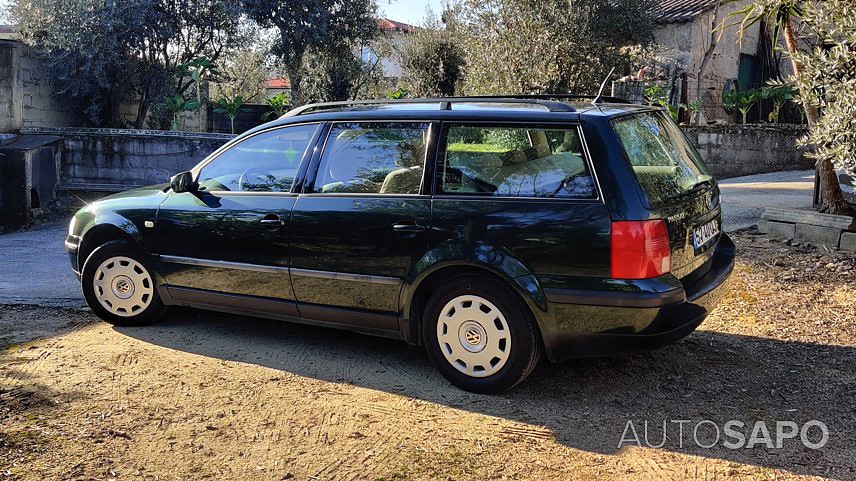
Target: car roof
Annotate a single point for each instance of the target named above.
(540, 108)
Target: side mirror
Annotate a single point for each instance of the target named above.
(183, 182)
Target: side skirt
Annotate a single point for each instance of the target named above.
(363, 322)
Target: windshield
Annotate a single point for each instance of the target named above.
(666, 165)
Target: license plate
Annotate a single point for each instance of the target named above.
(705, 233)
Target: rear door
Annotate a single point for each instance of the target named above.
(361, 222)
(521, 193)
(675, 185)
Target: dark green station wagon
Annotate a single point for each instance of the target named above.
(487, 230)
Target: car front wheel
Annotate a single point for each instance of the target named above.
(480, 335)
(119, 285)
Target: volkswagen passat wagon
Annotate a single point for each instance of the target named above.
(486, 230)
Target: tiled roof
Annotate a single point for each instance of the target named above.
(277, 83)
(388, 25)
(679, 11)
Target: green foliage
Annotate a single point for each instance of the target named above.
(397, 94)
(176, 105)
(779, 94)
(101, 54)
(655, 94)
(777, 13)
(433, 63)
(829, 74)
(323, 29)
(531, 46)
(230, 107)
(742, 101)
(278, 105)
(242, 73)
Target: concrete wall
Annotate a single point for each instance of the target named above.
(735, 150)
(27, 91)
(95, 159)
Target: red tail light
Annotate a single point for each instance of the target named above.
(640, 249)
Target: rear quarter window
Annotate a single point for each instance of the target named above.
(666, 165)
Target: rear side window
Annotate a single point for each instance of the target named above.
(373, 158)
(666, 165)
(514, 162)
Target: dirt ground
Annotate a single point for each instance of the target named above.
(208, 396)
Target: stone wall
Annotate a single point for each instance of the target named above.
(735, 150)
(116, 159)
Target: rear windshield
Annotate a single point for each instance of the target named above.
(666, 165)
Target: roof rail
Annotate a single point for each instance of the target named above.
(549, 102)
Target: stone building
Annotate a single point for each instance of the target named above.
(684, 31)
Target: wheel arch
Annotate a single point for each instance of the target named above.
(415, 294)
(102, 231)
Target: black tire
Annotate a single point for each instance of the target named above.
(525, 340)
(146, 314)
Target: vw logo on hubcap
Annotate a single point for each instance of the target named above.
(473, 336)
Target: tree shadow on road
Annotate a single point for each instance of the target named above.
(585, 404)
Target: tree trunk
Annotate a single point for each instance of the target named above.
(832, 200)
(295, 78)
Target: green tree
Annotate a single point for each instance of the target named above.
(176, 105)
(553, 46)
(322, 27)
(779, 94)
(432, 62)
(242, 73)
(104, 53)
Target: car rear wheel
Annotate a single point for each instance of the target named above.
(480, 335)
(119, 285)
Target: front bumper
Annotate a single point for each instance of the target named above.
(626, 322)
(72, 246)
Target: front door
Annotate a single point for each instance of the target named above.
(361, 223)
(231, 237)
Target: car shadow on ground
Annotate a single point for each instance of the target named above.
(586, 404)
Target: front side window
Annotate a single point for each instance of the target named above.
(515, 162)
(266, 162)
(665, 164)
(373, 158)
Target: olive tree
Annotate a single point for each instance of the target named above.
(546, 46)
(433, 63)
(824, 75)
(104, 53)
(321, 28)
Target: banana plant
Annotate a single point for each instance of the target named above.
(278, 104)
(742, 101)
(198, 69)
(779, 94)
(177, 105)
(230, 107)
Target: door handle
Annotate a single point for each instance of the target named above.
(271, 222)
(409, 228)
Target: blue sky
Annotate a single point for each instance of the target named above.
(407, 11)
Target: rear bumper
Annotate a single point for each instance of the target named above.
(650, 318)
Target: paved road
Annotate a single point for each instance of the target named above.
(34, 268)
(745, 198)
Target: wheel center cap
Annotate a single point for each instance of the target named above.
(123, 287)
(472, 336)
